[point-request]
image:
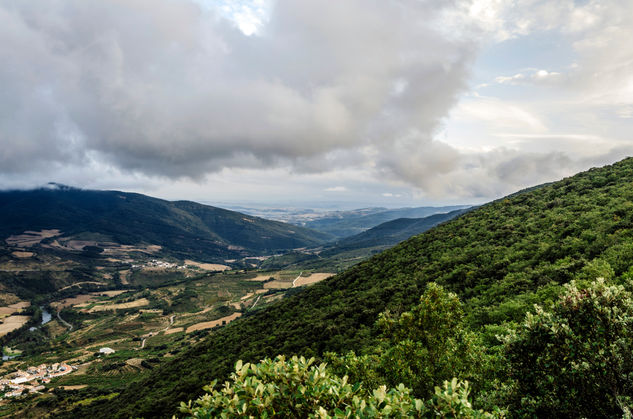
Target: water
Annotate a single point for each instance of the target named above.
(46, 316)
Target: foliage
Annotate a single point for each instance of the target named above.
(500, 259)
(428, 344)
(182, 228)
(420, 347)
(297, 388)
(576, 360)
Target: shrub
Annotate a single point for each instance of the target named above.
(577, 360)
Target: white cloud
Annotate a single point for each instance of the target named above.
(534, 76)
(347, 93)
(171, 89)
(336, 189)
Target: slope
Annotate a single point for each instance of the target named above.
(341, 254)
(392, 232)
(180, 228)
(500, 258)
(347, 223)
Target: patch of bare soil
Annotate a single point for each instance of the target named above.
(31, 238)
(21, 305)
(277, 284)
(124, 276)
(67, 302)
(11, 323)
(77, 387)
(207, 266)
(136, 303)
(174, 330)
(214, 323)
(13, 308)
(312, 279)
(262, 278)
(22, 255)
(247, 296)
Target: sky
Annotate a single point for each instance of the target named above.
(361, 102)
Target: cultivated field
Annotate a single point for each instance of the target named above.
(132, 304)
(11, 323)
(22, 255)
(31, 238)
(311, 279)
(207, 266)
(214, 323)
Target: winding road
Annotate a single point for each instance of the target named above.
(64, 322)
(299, 276)
(171, 323)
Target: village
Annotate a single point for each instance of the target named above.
(33, 379)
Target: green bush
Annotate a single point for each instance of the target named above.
(577, 360)
(298, 389)
(428, 344)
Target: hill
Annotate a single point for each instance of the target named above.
(500, 259)
(182, 228)
(348, 223)
(341, 254)
(392, 232)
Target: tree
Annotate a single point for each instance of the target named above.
(428, 344)
(577, 360)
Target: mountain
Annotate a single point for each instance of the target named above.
(348, 251)
(348, 223)
(113, 218)
(500, 258)
(392, 232)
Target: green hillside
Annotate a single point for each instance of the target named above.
(341, 254)
(343, 224)
(183, 229)
(393, 232)
(499, 259)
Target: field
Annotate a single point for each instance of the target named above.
(158, 311)
(31, 238)
(11, 323)
(207, 266)
(132, 304)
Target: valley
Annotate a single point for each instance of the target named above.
(122, 318)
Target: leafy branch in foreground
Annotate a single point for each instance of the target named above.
(297, 388)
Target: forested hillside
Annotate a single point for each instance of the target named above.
(182, 228)
(499, 259)
(348, 223)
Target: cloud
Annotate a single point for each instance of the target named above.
(171, 89)
(336, 189)
(534, 76)
(154, 91)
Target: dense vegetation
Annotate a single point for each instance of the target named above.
(347, 223)
(499, 259)
(572, 361)
(393, 232)
(298, 389)
(343, 253)
(183, 228)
